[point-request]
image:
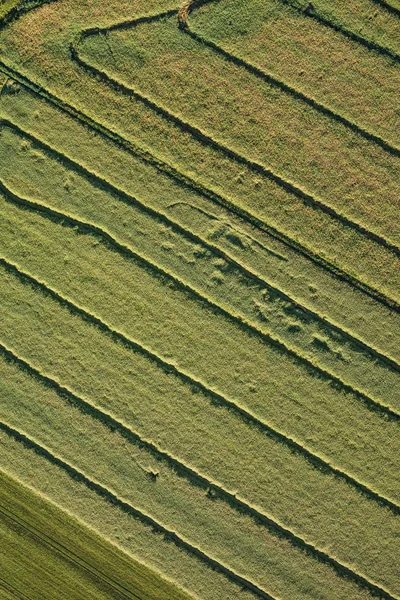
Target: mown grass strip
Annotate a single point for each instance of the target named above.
(245, 415)
(190, 183)
(147, 519)
(85, 227)
(206, 139)
(161, 217)
(182, 470)
(336, 489)
(170, 535)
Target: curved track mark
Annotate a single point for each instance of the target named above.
(97, 180)
(89, 228)
(189, 183)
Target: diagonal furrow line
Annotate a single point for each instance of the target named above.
(215, 397)
(65, 552)
(207, 140)
(111, 497)
(346, 32)
(89, 228)
(191, 184)
(387, 6)
(177, 465)
(13, 590)
(299, 95)
(96, 179)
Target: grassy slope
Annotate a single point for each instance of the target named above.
(136, 122)
(48, 555)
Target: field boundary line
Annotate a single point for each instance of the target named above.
(181, 467)
(69, 221)
(208, 140)
(296, 93)
(113, 498)
(65, 552)
(215, 397)
(188, 182)
(188, 233)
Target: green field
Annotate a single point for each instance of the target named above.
(200, 298)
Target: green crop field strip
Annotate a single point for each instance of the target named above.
(199, 299)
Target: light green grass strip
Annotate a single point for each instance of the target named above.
(46, 554)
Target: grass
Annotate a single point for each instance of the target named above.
(368, 19)
(232, 107)
(202, 266)
(126, 533)
(312, 286)
(171, 499)
(199, 291)
(337, 72)
(7, 6)
(59, 345)
(107, 457)
(50, 554)
(141, 124)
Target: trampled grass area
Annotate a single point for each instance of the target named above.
(199, 282)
